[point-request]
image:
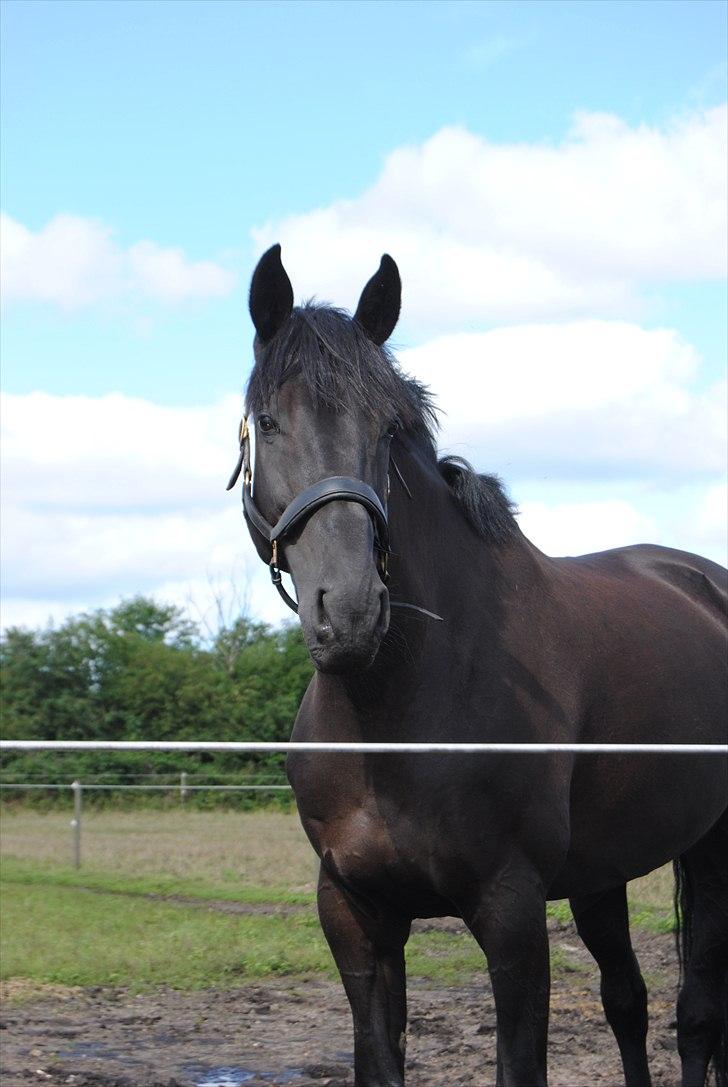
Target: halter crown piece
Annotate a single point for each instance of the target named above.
(303, 506)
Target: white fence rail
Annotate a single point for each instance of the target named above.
(253, 747)
(377, 748)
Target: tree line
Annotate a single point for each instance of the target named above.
(146, 671)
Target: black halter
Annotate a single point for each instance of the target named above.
(332, 489)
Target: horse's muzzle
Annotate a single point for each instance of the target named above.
(344, 627)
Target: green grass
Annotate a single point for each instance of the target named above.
(108, 923)
(15, 870)
(563, 963)
(652, 918)
(448, 958)
(224, 855)
(64, 935)
(67, 936)
(559, 911)
(654, 914)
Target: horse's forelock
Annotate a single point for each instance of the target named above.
(341, 368)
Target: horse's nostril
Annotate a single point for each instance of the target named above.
(323, 623)
(383, 609)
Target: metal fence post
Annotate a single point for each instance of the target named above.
(76, 822)
(183, 787)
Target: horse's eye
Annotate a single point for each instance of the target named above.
(267, 424)
(393, 428)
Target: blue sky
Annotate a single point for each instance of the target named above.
(209, 129)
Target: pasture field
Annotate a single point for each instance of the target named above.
(261, 855)
(193, 898)
(184, 851)
(187, 946)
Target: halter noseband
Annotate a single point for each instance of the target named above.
(299, 509)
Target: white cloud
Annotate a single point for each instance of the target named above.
(485, 53)
(34, 614)
(116, 453)
(58, 564)
(710, 522)
(74, 262)
(169, 275)
(578, 528)
(488, 232)
(88, 552)
(586, 399)
(112, 496)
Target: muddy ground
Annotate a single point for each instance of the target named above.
(298, 1033)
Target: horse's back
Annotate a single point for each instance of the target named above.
(700, 580)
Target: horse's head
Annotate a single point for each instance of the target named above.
(324, 401)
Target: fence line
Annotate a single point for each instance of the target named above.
(171, 777)
(172, 787)
(78, 788)
(35, 785)
(377, 748)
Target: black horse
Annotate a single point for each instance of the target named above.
(490, 640)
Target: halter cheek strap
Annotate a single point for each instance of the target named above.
(303, 506)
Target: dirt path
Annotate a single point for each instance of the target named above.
(298, 1033)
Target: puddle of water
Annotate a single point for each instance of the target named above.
(225, 1077)
(202, 1074)
(91, 1050)
(228, 1076)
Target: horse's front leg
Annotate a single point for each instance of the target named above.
(509, 923)
(369, 952)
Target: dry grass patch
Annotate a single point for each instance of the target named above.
(261, 849)
(22, 990)
(223, 848)
(654, 890)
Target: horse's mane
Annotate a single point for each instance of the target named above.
(483, 498)
(342, 368)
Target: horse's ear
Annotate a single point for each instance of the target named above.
(271, 295)
(380, 302)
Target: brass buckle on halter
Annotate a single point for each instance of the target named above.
(244, 438)
(243, 435)
(277, 578)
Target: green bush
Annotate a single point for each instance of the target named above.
(143, 671)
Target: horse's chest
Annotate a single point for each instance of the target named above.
(366, 846)
(357, 845)
(390, 834)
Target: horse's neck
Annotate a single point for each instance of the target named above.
(439, 563)
(440, 560)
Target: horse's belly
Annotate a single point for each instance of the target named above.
(649, 821)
